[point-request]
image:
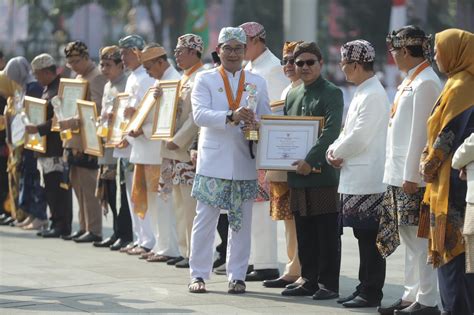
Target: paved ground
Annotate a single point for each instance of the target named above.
(45, 276)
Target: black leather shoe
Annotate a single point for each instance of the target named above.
(183, 263)
(105, 243)
(277, 283)
(298, 291)
(73, 235)
(218, 262)
(262, 274)
(398, 305)
(174, 260)
(53, 233)
(119, 243)
(325, 294)
(348, 298)
(418, 309)
(88, 237)
(358, 302)
(7, 221)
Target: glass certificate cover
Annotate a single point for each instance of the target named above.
(115, 131)
(146, 104)
(91, 143)
(165, 114)
(70, 90)
(285, 139)
(35, 109)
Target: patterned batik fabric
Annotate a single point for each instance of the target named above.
(362, 211)
(183, 173)
(166, 178)
(225, 194)
(314, 201)
(263, 193)
(280, 201)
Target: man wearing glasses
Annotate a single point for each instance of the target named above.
(313, 188)
(262, 61)
(226, 176)
(84, 167)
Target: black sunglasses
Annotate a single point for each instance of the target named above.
(285, 61)
(310, 62)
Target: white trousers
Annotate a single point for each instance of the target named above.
(163, 224)
(141, 227)
(264, 253)
(421, 279)
(202, 243)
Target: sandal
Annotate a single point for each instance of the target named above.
(197, 285)
(236, 287)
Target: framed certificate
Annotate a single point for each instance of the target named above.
(285, 139)
(165, 114)
(70, 90)
(36, 110)
(146, 104)
(88, 115)
(115, 129)
(277, 107)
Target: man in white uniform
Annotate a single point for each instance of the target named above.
(405, 141)
(264, 254)
(226, 176)
(138, 82)
(146, 155)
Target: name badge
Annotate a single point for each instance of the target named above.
(407, 88)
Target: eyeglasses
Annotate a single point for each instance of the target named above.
(309, 62)
(237, 50)
(285, 61)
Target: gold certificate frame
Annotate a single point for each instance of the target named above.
(285, 139)
(70, 91)
(146, 104)
(115, 129)
(91, 143)
(164, 124)
(36, 110)
(277, 107)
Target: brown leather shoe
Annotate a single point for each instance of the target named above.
(146, 255)
(127, 248)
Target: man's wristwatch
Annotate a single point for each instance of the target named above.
(229, 115)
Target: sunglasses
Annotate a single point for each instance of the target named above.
(285, 61)
(310, 62)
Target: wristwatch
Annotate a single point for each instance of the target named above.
(229, 115)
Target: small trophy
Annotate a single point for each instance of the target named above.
(103, 129)
(33, 138)
(58, 111)
(252, 134)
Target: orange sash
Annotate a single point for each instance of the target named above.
(188, 73)
(422, 67)
(233, 104)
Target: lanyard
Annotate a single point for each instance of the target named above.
(233, 104)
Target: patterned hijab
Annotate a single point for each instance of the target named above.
(18, 69)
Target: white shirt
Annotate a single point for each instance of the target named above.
(464, 157)
(223, 150)
(138, 83)
(361, 143)
(145, 150)
(406, 135)
(267, 65)
(289, 87)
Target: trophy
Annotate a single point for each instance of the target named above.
(252, 134)
(103, 129)
(33, 138)
(58, 111)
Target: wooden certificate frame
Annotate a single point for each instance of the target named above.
(277, 107)
(285, 139)
(164, 123)
(91, 143)
(146, 104)
(115, 128)
(70, 91)
(36, 110)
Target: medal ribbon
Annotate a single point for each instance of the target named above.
(188, 73)
(233, 104)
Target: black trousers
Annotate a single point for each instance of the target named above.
(371, 267)
(223, 230)
(122, 222)
(59, 201)
(319, 250)
(456, 287)
(3, 182)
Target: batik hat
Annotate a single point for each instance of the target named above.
(289, 47)
(76, 48)
(42, 61)
(254, 29)
(229, 33)
(191, 41)
(110, 53)
(132, 41)
(358, 50)
(395, 41)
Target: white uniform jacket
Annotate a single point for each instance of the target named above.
(464, 157)
(361, 143)
(223, 150)
(144, 150)
(406, 135)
